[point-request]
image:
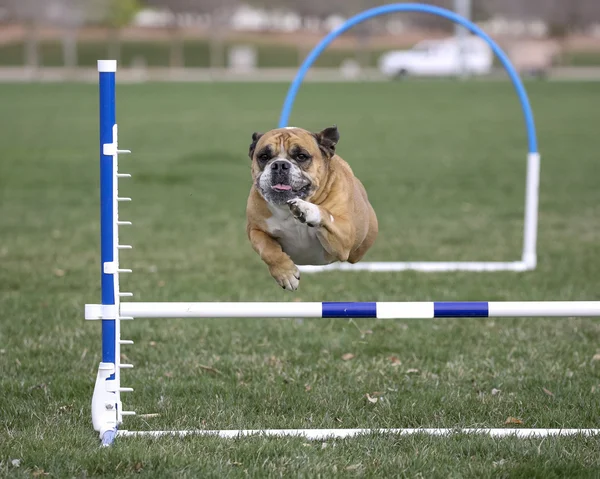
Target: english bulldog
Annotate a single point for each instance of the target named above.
(305, 205)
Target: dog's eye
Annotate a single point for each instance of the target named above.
(301, 157)
(263, 157)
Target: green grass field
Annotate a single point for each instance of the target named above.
(444, 165)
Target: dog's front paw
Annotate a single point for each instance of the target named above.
(305, 212)
(287, 275)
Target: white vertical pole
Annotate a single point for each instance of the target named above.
(462, 8)
(531, 210)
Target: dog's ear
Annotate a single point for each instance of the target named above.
(255, 137)
(327, 140)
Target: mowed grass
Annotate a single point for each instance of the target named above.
(444, 165)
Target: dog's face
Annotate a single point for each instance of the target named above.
(290, 163)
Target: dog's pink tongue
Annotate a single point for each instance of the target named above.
(282, 187)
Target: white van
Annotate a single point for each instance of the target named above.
(439, 58)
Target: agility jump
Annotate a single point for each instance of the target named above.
(107, 407)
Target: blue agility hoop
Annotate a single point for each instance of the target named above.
(528, 260)
(421, 8)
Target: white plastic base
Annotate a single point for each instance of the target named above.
(105, 403)
(425, 266)
(322, 434)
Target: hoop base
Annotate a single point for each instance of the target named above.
(424, 266)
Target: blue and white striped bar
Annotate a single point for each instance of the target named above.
(382, 310)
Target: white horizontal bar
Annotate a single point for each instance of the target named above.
(125, 341)
(322, 434)
(128, 413)
(382, 310)
(100, 311)
(124, 246)
(126, 294)
(93, 311)
(126, 390)
(107, 66)
(123, 175)
(405, 310)
(124, 223)
(543, 308)
(425, 266)
(125, 270)
(222, 310)
(126, 366)
(123, 198)
(123, 152)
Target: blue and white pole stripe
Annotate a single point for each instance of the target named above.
(107, 72)
(106, 403)
(382, 310)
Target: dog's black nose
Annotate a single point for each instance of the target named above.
(280, 165)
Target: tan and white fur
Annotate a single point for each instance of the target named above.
(305, 206)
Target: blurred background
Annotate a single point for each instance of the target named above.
(267, 39)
